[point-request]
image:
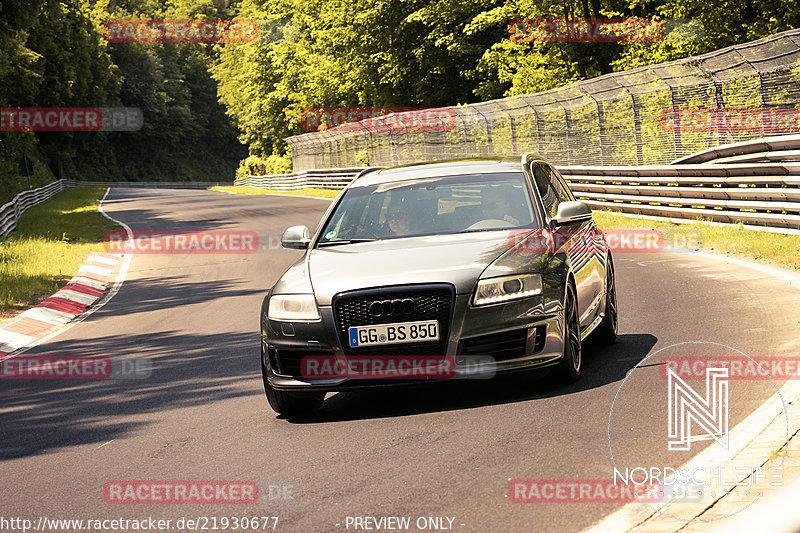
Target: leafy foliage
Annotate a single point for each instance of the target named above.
(444, 52)
(207, 106)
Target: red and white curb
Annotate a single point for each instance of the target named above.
(83, 290)
(97, 281)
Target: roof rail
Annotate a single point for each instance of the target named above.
(367, 171)
(527, 157)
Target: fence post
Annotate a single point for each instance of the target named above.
(16, 212)
(637, 128)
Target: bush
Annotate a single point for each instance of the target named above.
(257, 166)
(12, 181)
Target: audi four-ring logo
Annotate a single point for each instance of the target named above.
(392, 307)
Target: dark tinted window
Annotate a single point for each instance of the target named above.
(551, 187)
(566, 194)
(544, 184)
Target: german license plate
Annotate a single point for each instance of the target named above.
(402, 332)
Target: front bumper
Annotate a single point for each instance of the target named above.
(509, 337)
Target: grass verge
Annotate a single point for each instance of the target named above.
(322, 193)
(51, 241)
(733, 240)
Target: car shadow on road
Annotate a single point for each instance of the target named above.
(602, 366)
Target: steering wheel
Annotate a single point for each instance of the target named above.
(494, 223)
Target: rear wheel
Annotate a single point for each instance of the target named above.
(607, 330)
(290, 403)
(570, 366)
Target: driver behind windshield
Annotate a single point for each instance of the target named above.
(399, 218)
(495, 205)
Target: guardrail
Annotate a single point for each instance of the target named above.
(765, 194)
(768, 149)
(754, 182)
(762, 188)
(11, 211)
(158, 184)
(329, 178)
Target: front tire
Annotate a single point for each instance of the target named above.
(570, 366)
(290, 403)
(608, 328)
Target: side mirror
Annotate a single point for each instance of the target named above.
(570, 212)
(296, 237)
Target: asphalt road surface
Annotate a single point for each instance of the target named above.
(444, 451)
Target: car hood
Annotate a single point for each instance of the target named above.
(458, 259)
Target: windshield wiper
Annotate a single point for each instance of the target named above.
(344, 241)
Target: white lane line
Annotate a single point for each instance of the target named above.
(633, 514)
(112, 291)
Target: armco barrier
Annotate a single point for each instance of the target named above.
(10, 212)
(330, 178)
(755, 182)
(761, 190)
(158, 184)
(754, 194)
(766, 150)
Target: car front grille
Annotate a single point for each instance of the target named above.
(431, 302)
(503, 346)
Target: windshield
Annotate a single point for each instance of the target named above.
(452, 204)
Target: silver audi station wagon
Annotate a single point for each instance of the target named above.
(487, 260)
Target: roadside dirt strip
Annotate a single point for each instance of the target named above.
(74, 298)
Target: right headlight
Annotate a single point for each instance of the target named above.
(300, 307)
(504, 288)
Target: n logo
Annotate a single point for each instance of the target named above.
(686, 406)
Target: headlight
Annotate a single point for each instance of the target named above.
(293, 307)
(504, 288)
